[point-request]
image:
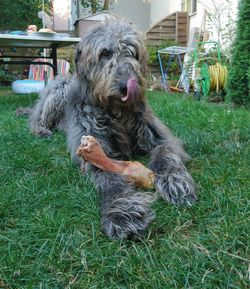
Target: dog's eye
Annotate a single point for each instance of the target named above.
(131, 51)
(106, 53)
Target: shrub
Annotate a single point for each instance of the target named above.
(18, 14)
(152, 51)
(238, 81)
(5, 77)
(153, 57)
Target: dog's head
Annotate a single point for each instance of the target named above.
(112, 59)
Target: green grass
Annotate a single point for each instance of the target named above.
(50, 233)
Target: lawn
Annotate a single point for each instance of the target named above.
(50, 233)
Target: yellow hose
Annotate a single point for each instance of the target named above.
(218, 77)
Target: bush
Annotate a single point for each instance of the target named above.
(5, 77)
(239, 76)
(18, 14)
(152, 51)
(153, 56)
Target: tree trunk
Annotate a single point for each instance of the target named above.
(106, 5)
(94, 6)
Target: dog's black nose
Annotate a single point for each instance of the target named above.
(123, 88)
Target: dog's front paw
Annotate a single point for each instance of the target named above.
(42, 132)
(128, 217)
(177, 187)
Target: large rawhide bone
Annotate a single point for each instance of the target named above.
(90, 150)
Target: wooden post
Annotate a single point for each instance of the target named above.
(176, 26)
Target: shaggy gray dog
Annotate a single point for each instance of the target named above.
(106, 99)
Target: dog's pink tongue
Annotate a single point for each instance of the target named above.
(132, 89)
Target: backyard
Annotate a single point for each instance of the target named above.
(50, 234)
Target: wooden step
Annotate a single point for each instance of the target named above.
(173, 28)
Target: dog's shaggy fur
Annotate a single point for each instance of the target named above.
(106, 99)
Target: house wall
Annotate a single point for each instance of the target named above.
(145, 13)
(136, 11)
(162, 8)
(197, 19)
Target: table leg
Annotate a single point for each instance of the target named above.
(163, 77)
(54, 58)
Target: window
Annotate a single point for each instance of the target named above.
(189, 6)
(194, 6)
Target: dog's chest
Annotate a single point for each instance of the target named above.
(123, 134)
(118, 134)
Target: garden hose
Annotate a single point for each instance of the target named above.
(212, 77)
(218, 77)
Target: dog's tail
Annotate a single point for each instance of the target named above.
(26, 111)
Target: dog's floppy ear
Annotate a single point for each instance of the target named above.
(78, 53)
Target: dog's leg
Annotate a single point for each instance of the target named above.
(125, 213)
(168, 159)
(172, 180)
(49, 110)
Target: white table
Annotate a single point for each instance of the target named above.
(52, 42)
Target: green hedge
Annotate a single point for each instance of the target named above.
(18, 14)
(239, 69)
